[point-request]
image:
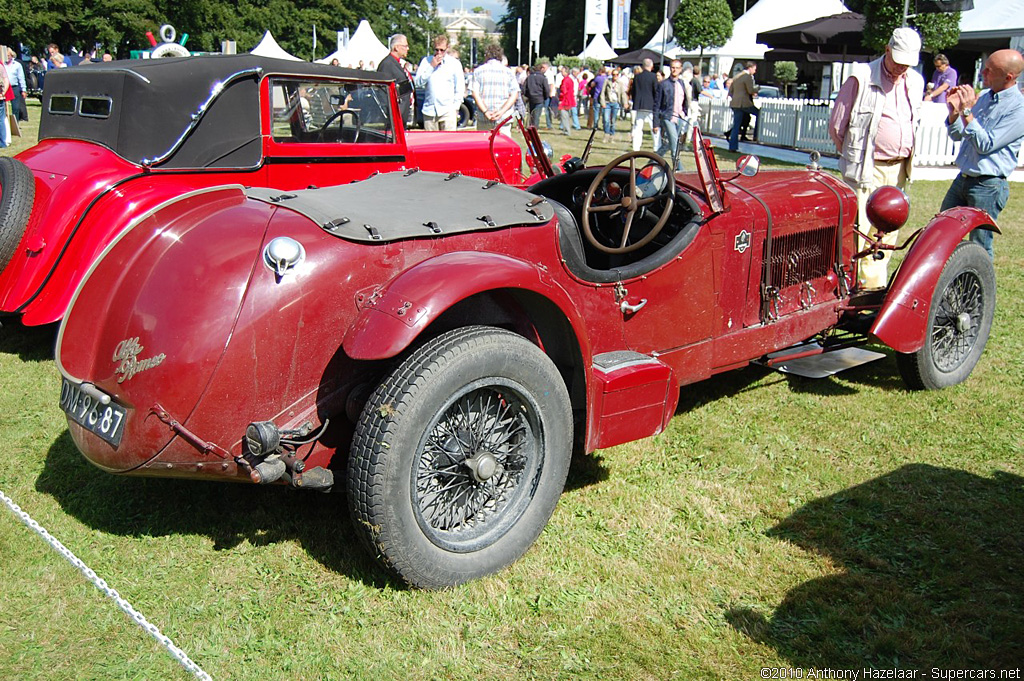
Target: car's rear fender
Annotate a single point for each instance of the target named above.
(902, 321)
(394, 315)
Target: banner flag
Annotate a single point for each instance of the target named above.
(596, 17)
(620, 24)
(537, 9)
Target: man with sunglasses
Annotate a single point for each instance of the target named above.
(445, 87)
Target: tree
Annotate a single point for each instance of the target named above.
(938, 31)
(702, 23)
(785, 73)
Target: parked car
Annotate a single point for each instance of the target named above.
(156, 129)
(445, 343)
(467, 110)
(768, 91)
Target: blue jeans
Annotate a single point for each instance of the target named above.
(575, 118)
(611, 114)
(670, 140)
(989, 193)
(737, 123)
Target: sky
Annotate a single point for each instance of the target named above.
(497, 7)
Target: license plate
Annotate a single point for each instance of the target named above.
(104, 420)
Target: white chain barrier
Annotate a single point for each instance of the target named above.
(176, 652)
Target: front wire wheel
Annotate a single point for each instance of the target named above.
(959, 321)
(460, 456)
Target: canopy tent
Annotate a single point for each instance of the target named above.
(268, 47)
(993, 24)
(341, 55)
(599, 49)
(637, 57)
(826, 39)
(364, 46)
(764, 16)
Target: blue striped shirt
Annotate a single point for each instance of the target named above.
(992, 140)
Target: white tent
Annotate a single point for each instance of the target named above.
(364, 45)
(268, 47)
(341, 55)
(599, 49)
(766, 15)
(993, 19)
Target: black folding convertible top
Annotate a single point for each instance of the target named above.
(152, 103)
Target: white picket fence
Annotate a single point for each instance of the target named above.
(803, 124)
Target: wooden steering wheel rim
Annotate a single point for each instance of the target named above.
(628, 202)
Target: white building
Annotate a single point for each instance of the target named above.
(460, 23)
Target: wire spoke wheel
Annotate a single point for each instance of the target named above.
(460, 456)
(473, 474)
(959, 320)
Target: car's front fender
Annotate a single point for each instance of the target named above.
(903, 320)
(394, 315)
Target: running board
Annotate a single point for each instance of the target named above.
(811, 360)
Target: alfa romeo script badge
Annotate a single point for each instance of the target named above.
(743, 241)
(127, 353)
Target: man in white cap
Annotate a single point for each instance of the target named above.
(872, 126)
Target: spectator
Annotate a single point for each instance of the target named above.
(494, 89)
(5, 90)
(574, 76)
(644, 85)
(566, 101)
(742, 92)
(872, 126)
(596, 87)
(552, 101)
(16, 74)
(445, 87)
(944, 78)
(535, 92)
(991, 127)
(51, 51)
(671, 104)
(391, 66)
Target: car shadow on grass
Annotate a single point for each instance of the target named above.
(229, 514)
(931, 575)
(29, 343)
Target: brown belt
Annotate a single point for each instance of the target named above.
(891, 162)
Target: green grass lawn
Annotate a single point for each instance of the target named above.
(778, 522)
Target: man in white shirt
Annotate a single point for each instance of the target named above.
(441, 75)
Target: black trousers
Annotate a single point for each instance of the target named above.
(18, 104)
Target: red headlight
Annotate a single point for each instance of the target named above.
(888, 209)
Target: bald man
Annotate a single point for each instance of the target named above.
(991, 127)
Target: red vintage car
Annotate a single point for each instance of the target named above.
(445, 343)
(154, 130)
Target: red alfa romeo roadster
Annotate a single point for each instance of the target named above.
(443, 343)
(118, 139)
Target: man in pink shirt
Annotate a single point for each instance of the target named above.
(872, 126)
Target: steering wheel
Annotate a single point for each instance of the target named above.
(340, 115)
(628, 202)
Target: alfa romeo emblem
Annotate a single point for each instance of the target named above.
(743, 241)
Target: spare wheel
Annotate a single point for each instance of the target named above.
(17, 191)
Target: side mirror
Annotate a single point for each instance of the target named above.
(748, 165)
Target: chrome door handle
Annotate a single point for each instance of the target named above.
(626, 308)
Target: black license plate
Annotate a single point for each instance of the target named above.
(105, 420)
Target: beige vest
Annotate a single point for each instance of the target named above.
(856, 158)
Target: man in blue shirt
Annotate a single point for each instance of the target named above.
(991, 127)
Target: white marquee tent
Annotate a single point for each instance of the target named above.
(268, 47)
(364, 45)
(766, 15)
(599, 49)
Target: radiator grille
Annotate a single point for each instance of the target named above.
(800, 257)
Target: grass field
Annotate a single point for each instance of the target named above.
(778, 522)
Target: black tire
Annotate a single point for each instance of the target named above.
(465, 117)
(17, 192)
(422, 509)
(962, 308)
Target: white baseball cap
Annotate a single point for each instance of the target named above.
(905, 46)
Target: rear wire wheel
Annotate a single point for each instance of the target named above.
(17, 192)
(959, 320)
(460, 456)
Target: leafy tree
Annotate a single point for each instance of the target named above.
(938, 31)
(785, 73)
(702, 23)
